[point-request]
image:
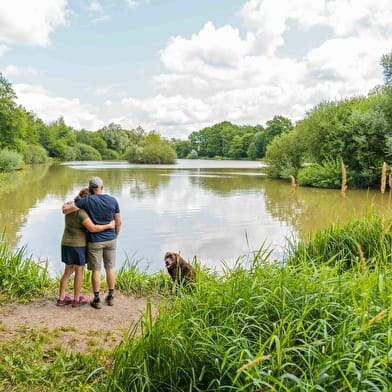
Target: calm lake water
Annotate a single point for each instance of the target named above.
(217, 211)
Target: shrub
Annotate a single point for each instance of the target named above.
(34, 154)
(192, 155)
(87, 153)
(10, 160)
(326, 175)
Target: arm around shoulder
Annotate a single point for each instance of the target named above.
(69, 207)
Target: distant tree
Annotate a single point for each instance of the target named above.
(182, 147)
(274, 127)
(8, 132)
(153, 149)
(252, 151)
(115, 136)
(236, 147)
(386, 63)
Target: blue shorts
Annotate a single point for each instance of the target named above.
(74, 255)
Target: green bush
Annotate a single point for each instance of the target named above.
(10, 160)
(326, 175)
(34, 154)
(192, 155)
(109, 155)
(87, 153)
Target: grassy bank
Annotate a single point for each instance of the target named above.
(320, 323)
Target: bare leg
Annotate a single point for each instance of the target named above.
(79, 269)
(96, 280)
(69, 270)
(110, 278)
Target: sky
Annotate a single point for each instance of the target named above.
(177, 66)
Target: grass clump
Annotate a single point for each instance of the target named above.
(366, 239)
(21, 277)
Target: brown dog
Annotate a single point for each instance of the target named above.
(179, 269)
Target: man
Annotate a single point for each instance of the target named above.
(102, 208)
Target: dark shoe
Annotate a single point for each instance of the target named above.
(66, 301)
(82, 301)
(109, 300)
(96, 303)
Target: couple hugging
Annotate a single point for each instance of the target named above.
(92, 224)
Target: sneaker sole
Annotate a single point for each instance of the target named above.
(79, 304)
(96, 305)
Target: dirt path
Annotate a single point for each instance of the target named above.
(77, 329)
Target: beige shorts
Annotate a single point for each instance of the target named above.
(98, 251)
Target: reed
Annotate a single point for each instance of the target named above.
(293, 186)
(383, 177)
(344, 179)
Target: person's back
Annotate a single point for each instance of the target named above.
(74, 232)
(101, 209)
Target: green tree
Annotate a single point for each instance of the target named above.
(386, 63)
(236, 147)
(7, 113)
(182, 147)
(274, 127)
(285, 155)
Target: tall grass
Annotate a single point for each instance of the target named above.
(308, 326)
(340, 243)
(20, 276)
(130, 280)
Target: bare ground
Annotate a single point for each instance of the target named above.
(79, 329)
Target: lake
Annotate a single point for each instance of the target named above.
(216, 211)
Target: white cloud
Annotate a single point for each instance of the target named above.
(12, 70)
(95, 6)
(49, 108)
(101, 19)
(216, 49)
(31, 22)
(135, 3)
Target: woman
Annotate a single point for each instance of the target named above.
(74, 251)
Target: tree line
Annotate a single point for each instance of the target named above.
(229, 141)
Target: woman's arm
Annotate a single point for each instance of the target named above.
(69, 207)
(93, 228)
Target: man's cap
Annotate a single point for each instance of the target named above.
(95, 182)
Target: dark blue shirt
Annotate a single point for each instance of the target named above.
(101, 209)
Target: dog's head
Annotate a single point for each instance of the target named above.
(170, 259)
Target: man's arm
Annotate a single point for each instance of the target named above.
(69, 207)
(93, 228)
(117, 220)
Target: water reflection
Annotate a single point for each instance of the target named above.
(213, 210)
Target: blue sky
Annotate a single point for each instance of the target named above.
(177, 66)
